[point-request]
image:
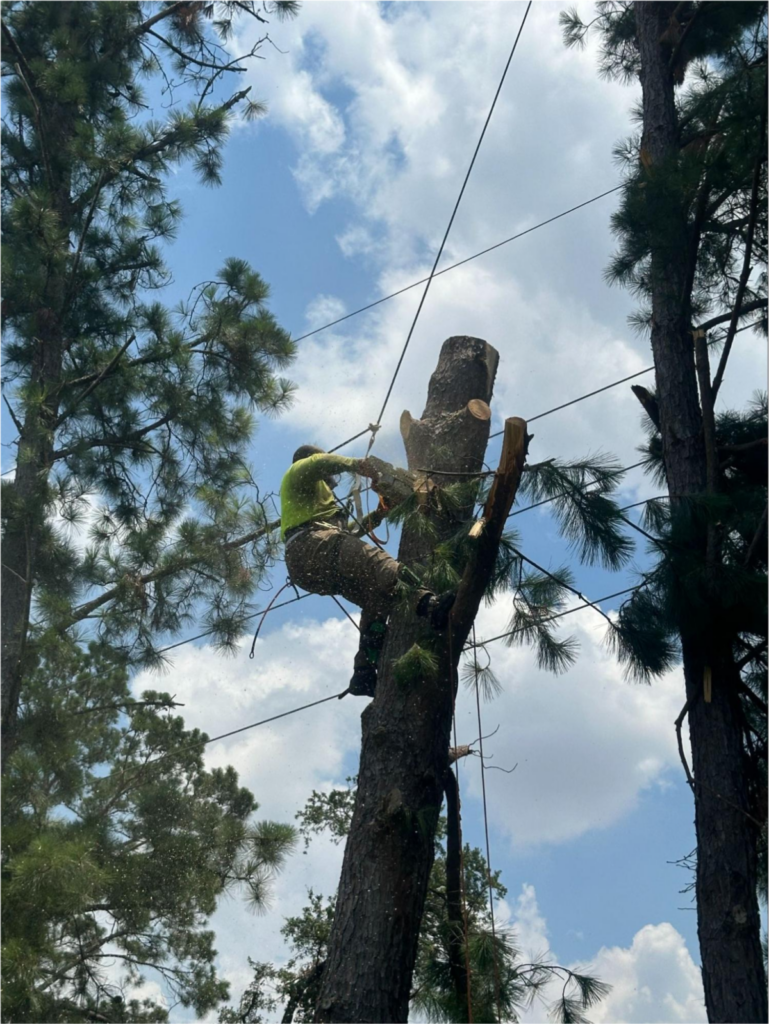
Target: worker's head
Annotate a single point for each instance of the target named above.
(305, 451)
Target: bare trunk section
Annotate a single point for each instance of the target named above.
(727, 906)
(405, 745)
(25, 510)
(27, 497)
(455, 913)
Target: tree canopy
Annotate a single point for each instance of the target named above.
(117, 844)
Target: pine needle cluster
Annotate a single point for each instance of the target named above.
(117, 845)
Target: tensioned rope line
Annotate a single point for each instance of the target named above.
(479, 643)
(274, 718)
(560, 615)
(293, 600)
(566, 586)
(462, 879)
(461, 263)
(335, 696)
(486, 830)
(607, 387)
(448, 229)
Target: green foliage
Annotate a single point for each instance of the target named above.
(117, 845)
(701, 212)
(328, 812)
(507, 567)
(718, 55)
(416, 665)
(500, 982)
(578, 493)
(482, 676)
(682, 591)
(135, 419)
(538, 597)
(715, 29)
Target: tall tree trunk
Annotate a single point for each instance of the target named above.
(727, 906)
(25, 519)
(454, 911)
(406, 729)
(27, 499)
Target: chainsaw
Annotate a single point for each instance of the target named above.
(395, 485)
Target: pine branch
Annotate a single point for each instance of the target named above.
(151, 149)
(748, 307)
(759, 534)
(98, 378)
(746, 267)
(16, 422)
(84, 610)
(129, 704)
(21, 59)
(112, 442)
(161, 16)
(195, 60)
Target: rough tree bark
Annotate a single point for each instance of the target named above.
(405, 745)
(27, 497)
(454, 911)
(727, 906)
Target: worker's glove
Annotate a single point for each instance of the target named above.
(366, 468)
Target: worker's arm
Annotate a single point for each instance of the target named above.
(319, 467)
(368, 523)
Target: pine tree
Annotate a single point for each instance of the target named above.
(117, 844)
(501, 984)
(692, 230)
(142, 410)
(406, 730)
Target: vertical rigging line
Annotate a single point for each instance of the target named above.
(486, 828)
(455, 688)
(448, 229)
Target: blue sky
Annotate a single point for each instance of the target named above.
(339, 195)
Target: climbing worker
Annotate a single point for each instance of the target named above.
(323, 556)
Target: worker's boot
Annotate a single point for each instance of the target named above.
(363, 682)
(437, 608)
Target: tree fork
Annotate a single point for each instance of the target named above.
(406, 728)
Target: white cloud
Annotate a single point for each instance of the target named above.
(587, 744)
(385, 103)
(653, 981)
(281, 762)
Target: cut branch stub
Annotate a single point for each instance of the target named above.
(481, 563)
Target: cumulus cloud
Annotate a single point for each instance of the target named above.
(653, 981)
(587, 744)
(569, 780)
(384, 104)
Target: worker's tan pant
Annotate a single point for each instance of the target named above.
(324, 560)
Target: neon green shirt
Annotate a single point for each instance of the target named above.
(304, 494)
